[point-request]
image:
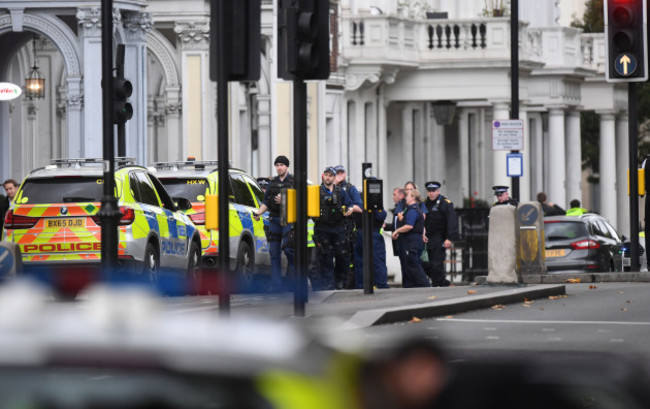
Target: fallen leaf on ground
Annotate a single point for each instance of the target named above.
(573, 280)
(449, 317)
(433, 297)
(592, 287)
(629, 301)
(526, 301)
(553, 297)
(471, 291)
(624, 309)
(526, 305)
(621, 292)
(415, 319)
(498, 307)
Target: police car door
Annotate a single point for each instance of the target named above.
(246, 192)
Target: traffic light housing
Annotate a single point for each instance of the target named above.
(627, 40)
(122, 109)
(304, 39)
(243, 39)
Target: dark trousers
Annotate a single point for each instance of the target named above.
(277, 238)
(413, 274)
(378, 260)
(435, 268)
(330, 242)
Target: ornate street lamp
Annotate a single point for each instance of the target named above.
(443, 112)
(35, 83)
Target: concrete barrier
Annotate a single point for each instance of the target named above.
(11, 261)
(503, 245)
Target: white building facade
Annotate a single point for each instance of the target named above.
(394, 61)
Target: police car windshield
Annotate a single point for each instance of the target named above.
(62, 190)
(189, 188)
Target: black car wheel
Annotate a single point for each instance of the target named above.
(193, 268)
(151, 263)
(245, 264)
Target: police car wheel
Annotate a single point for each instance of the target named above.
(245, 263)
(151, 262)
(193, 266)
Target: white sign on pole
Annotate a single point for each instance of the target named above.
(508, 135)
(9, 91)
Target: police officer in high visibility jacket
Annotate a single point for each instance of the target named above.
(411, 243)
(277, 235)
(329, 230)
(441, 229)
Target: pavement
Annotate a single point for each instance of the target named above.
(353, 309)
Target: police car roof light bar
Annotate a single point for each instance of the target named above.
(78, 162)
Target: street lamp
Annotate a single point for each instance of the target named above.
(35, 83)
(443, 112)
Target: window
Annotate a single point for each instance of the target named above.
(63, 190)
(133, 181)
(242, 192)
(166, 200)
(147, 191)
(255, 188)
(189, 188)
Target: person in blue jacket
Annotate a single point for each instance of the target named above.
(411, 242)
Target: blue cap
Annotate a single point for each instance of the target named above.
(330, 169)
(432, 185)
(339, 168)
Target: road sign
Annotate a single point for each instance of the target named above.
(10, 261)
(625, 65)
(515, 165)
(508, 135)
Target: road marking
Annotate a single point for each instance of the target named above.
(489, 329)
(492, 337)
(548, 329)
(555, 339)
(617, 340)
(545, 322)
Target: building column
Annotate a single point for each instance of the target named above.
(382, 140)
(198, 104)
(136, 26)
(556, 161)
(74, 119)
(622, 165)
(463, 153)
(607, 162)
(264, 132)
(501, 111)
(89, 144)
(407, 142)
(525, 193)
(573, 158)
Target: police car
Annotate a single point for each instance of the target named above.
(55, 223)
(191, 179)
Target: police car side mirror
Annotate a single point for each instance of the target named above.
(182, 203)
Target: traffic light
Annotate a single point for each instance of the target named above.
(627, 40)
(304, 39)
(243, 39)
(122, 110)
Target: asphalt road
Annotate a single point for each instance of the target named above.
(603, 317)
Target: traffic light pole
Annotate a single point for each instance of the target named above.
(222, 156)
(109, 213)
(121, 127)
(300, 159)
(514, 77)
(634, 176)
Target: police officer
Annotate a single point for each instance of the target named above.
(503, 198)
(277, 235)
(264, 183)
(329, 231)
(350, 227)
(378, 251)
(441, 229)
(411, 244)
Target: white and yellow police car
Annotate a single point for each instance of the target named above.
(55, 223)
(191, 179)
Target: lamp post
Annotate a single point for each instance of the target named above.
(34, 83)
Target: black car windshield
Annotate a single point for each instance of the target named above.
(560, 230)
(189, 188)
(62, 190)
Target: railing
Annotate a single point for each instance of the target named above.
(411, 42)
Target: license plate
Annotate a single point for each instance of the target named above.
(555, 253)
(74, 222)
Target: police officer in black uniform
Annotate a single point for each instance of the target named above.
(329, 231)
(277, 235)
(441, 229)
(503, 198)
(350, 228)
(411, 243)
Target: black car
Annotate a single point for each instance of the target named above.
(586, 243)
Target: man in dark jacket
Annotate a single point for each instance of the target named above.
(441, 229)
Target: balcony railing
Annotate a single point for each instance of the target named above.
(409, 42)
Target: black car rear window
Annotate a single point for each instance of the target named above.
(62, 190)
(189, 188)
(564, 230)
